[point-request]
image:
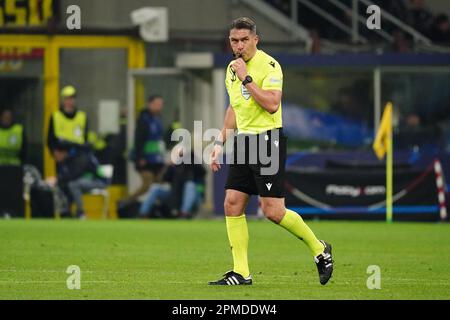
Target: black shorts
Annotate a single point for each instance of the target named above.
(262, 171)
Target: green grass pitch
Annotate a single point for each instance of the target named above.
(175, 260)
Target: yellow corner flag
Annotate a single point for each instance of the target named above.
(381, 146)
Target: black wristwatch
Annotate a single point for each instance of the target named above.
(218, 143)
(247, 80)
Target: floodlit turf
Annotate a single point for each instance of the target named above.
(176, 259)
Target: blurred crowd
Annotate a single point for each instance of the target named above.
(87, 163)
(414, 13)
(167, 189)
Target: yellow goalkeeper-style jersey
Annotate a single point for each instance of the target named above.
(250, 116)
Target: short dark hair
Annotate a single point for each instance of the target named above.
(243, 23)
(153, 97)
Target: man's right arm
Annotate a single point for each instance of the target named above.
(229, 125)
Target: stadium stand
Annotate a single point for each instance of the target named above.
(338, 76)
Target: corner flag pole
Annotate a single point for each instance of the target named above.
(389, 174)
(382, 146)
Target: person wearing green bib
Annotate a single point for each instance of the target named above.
(12, 158)
(12, 140)
(68, 127)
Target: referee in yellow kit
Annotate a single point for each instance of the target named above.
(254, 83)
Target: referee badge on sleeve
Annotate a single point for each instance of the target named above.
(245, 93)
(275, 81)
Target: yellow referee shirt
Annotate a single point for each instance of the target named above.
(250, 116)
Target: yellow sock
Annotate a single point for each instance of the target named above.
(295, 225)
(238, 237)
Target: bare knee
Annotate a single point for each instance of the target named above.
(233, 206)
(273, 211)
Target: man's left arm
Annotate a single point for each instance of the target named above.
(268, 99)
(269, 96)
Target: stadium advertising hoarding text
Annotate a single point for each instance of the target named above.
(26, 13)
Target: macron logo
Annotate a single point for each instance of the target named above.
(276, 143)
(269, 186)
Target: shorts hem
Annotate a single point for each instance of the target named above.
(244, 190)
(273, 196)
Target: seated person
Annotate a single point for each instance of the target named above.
(77, 174)
(182, 188)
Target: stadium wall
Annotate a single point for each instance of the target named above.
(193, 18)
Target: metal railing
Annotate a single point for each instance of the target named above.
(330, 18)
(357, 19)
(417, 36)
(299, 33)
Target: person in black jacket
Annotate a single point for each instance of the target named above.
(149, 147)
(77, 174)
